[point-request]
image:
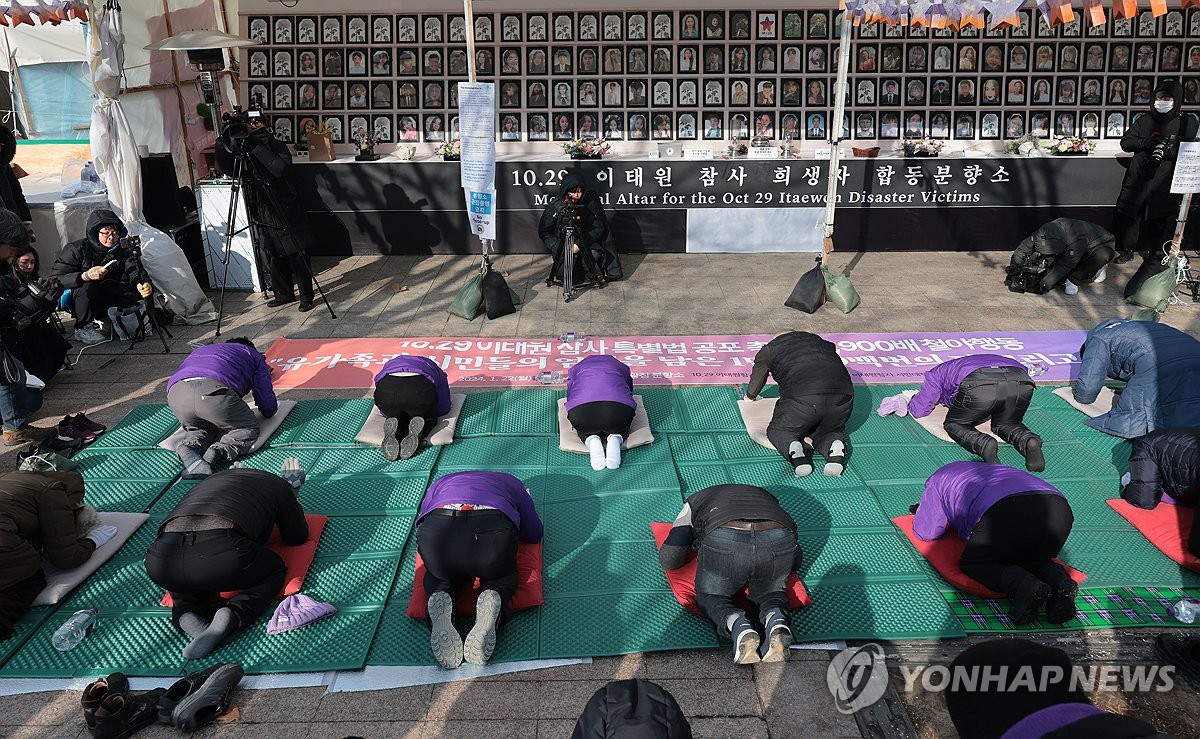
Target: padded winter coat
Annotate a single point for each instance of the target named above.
(1164, 461)
(1161, 365)
(40, 504)
(632, 709)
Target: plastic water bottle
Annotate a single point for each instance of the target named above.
(88, 174)
(1185, 611)
(550, 377)
(570, 337)
(741, 391)
(74, 630)
(1035, 369)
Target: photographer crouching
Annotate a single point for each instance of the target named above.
(99, 272)
(1065, 252)
(580, 211)
(279, 224)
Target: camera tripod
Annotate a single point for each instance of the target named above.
(566, 260)
(240, 154)
(135, 250)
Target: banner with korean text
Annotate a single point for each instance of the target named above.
(656, 360)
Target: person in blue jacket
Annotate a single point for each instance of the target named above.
(601, 407)
(1164, 467)
(1159, 364)
(467, 528)
(413, 392)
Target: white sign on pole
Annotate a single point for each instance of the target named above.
(481, 209)
(477, 129)
(1187, 168)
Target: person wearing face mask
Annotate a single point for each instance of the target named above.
(282, 233)
(1146, 208)
(591, 231)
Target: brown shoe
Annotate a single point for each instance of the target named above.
(24, 435)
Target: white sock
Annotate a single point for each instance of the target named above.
(1101, 275)
(1070, 288)
(837, 449)
(596, 447)
(796, 451)
(612, 454)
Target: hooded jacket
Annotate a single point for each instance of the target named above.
(1067, 242)
(1164, 463)
(1146, 189)
(592, 225)
(40, 504)
(81, 255)
(632, 709)
(1160, 363)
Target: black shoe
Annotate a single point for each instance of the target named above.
(745, 642)
(1124, 257)
(1028, 600)
(208, 701)
(1035, 461)
(180, 690)
(277, 301)
(1060, 608)
(990, 451)
(1183, 651)
(306, 306)
(124, 714)
(94, 695)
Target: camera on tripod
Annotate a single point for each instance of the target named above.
(237, 123)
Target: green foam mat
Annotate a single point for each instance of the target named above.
(124, 465)
(849, 605)
(692, 409)
(1089, 504)
(25, 626)
(527, 413)
(364, 496)
(1116, 558)
(603, 568)
(347, 535)
(131, 496)
(478, 417)
(894, 462)
(571, 523)
(878, 554)
(171, 497)
(695, 477)
(497, 453)
(896, 498)
(326, 422)
(118, 585)
(356, 580)
(342, 461)
(401, 640)
(868, 427)
(634, 479)
(631, 622)
(141, 428)
(1095, 608)
(826, 510)
(138, 643)
(338, 642)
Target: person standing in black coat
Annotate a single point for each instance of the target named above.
(591, 230)
(281, 229)
(215, 540)
(1165, 463)
(1146, 208)
(1076, 252)
(816, 398)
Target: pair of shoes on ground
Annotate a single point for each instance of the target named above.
(90, 334)
(396, 447)
(1183, 651)
(802, 459)
(605, 454)
(1032, 594)
(198, 699)
(449, 649)
(25, 435)
(1035, 459)
(111, 711)
(772, 646)
(80, 427)
(306, 304)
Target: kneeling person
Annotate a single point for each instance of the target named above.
(975, 389)
(413, 392)
(1165, 463)
(1064, 251)
(1014, 524)
(468, 527)
(215, 541)
(816, 398)
(205, 394)
(601, 407)
(744, 537)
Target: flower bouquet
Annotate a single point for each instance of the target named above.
(1027, 145)
(586, 148)
(1071, 146)
(736, 150)
(364, 139)
(451, 151)
(921, 147)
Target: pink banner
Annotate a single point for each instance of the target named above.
(655, 360)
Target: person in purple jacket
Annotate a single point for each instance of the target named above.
(1014, 525)
(205, 394)
(975, 389)
(600, 406)
(413, 392)
(468, 527)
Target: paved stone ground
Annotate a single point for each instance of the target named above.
(663, 294)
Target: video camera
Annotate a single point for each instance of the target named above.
(30, 302)
(133, 244)
(1027, 277)
(237, 123)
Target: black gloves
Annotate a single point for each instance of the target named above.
(913, 508)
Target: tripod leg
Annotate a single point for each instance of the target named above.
(569, 268)
(230, 216)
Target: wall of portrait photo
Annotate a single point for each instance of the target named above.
(710, 74)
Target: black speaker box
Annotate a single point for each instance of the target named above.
(160, 192)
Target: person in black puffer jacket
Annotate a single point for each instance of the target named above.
(632, 709)
(1165, 463)
(1146, 208)
(1064, 251)
(591, 231)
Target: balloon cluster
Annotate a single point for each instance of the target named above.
(48, 13)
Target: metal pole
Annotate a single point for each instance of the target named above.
(1181, 224)
(469, 17)
(835, 133)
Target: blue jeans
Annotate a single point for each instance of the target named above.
(732, 558)
(18, 402)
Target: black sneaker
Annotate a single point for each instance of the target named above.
(216, 455)
(1060, 608)
(1124, 257)
(277, 301)
(208, 701)
(306, 306)
(745, 641)
(181, 689)
(94, 695)
(1028, 600)
(124, 714)
(777, 636)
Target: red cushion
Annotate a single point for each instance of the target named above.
(945, 552)
(529, 585)
(297, 559)
(683, 581)
(1168, 527)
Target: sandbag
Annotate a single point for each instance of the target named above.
(1146, 314)
(1156, 290)
(839, 291)
(809, 293)
(175, 285)
(469, 298)
(497, 297)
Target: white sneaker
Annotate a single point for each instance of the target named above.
(612, 451)
(1102, 275)
(1070, 288)
(89, 336)
(596, 447)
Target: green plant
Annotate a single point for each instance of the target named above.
(204, 110)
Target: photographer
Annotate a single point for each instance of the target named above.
(282, 233)
(99, 272)
(591, 229)
(1146, 208)
(11, 195)
(1064, 251)
(17, 402)
(41, 348)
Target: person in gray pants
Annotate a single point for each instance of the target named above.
(205, 394)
